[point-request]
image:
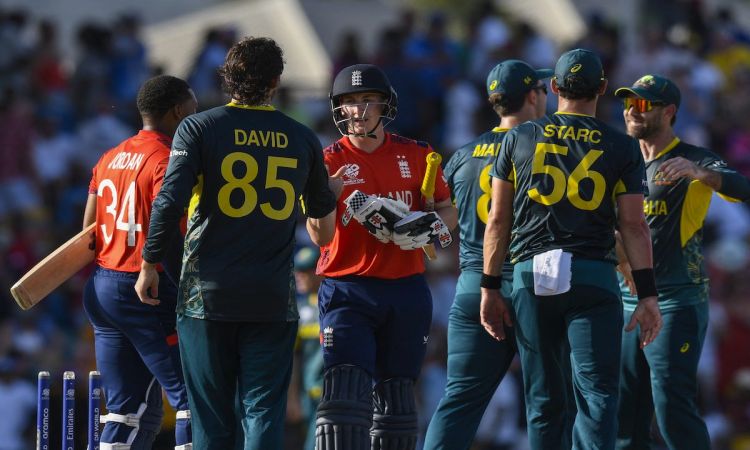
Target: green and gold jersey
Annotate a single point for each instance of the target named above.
(567, 169)
(241, 170)
(675, 211)
(468, 175)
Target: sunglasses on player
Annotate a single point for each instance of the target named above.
(640, 104)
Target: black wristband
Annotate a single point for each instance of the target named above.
(645, 283)
(491, 281)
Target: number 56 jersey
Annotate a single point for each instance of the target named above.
(567, 170)
(125, 180)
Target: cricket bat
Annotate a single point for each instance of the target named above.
(55, 269)
(428, 192)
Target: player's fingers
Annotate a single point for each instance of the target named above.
(631, 286)
(339, 173)
(633, 322)
(491, 326)
(507, 320)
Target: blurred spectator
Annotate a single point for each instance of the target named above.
(90, 80)
(17, 404)
(437, 55)
(100, 132)
(48, 74)
(53, 152)
(17, 192)
(348, 53)
(204, 77)
(128, 63)
(489, 35)
(403, 75)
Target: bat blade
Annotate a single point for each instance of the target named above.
(55, 269)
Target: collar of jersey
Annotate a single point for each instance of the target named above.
(386, 140)
(153, 134)
(669, 147)
(255, 107)
(567, 113)
(499, 129)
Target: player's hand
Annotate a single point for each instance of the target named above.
(627, 275)
(648, 318)
(147, 285)
(679, 167)
(419, 229)
(494, 314)
(336, 181)
(377, 214)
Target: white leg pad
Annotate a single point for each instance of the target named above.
(113, 446)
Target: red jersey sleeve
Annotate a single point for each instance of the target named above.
(93, 184)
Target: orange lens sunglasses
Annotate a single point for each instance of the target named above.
(640, 104)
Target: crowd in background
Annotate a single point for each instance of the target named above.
(59, 115)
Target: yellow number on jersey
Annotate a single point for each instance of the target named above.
(483, 204)
(250, 195)
(561, 183)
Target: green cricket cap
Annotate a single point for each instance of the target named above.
(579, 69)
(654, 88)
(514, 78)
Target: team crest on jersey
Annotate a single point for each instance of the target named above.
(357, 78)
(326, 337)
(403, 166)
(351, 175)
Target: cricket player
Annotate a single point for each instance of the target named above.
(477, 362)
(309, 358)
(136, 344)
(375, 305)
(681, 180)
(240, 170)
(560, 186)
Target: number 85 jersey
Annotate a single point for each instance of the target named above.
(125, 180)
(567, 170)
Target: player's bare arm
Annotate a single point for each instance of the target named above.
(494, 312)
(679, 167)
(448, 213)
(147, 285)
(636, 239)
(89, 214)
(321, 230)
(623, 265)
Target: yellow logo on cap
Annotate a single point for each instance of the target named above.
(685, 347)
(646, 80)
(527, 80)
(576, 68)
(493, 85)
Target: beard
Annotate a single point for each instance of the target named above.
(643, 130)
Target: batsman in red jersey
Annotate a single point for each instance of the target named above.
(136, 343)
(375, 306)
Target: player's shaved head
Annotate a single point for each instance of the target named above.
(160, 94)
(251, 70)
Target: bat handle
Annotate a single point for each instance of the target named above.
(428, 191)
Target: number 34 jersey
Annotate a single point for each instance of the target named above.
(241, 171)
(125, 180)
(567, 170)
